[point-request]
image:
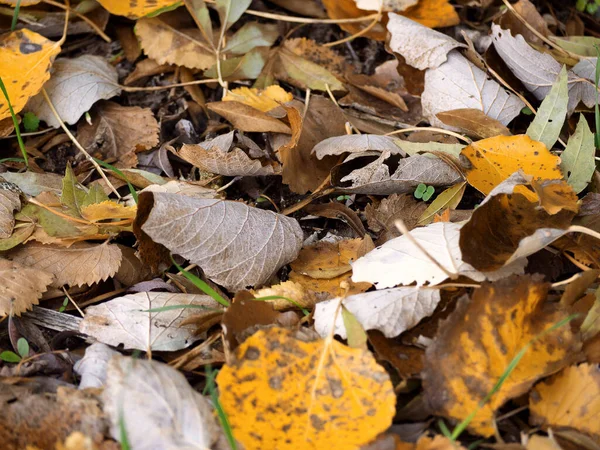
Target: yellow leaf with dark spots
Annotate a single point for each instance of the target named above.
(289, 392)
(25, 60)
(478, 341)
(134, 9)
(494, 159)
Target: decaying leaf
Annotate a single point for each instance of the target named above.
(117, 130)
(263, 100)
(92, 367)
(291, 392)
(391, 311)
(475, 345)
(25, 60)
(287, 289)
(162, 410)
(77, 265)
(473, 122)
(357, 143)
(76, 84)
(400, 262)
(493, 160)
(237, 246)
(20, 286)
(135, 9)
(568, 399)
(168, 45)
(458, 83)
(34, 184)
(9, 202)
(127, 320)
(246, 118)
(381, 219)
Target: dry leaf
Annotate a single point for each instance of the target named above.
(167, 45)
(342, 402)
(9, 202)
(25, 60)
(126, 320)
(118, 130)
(287, 289)
(161, 411)
(132, 270)
(568, 399)
(400, 261)
(421, 47)
(426, 443)
(107, 210)
(327, 260)
(347, 9)
(92, 367)
(134, 9)
(391, 311)
(474, 123)
(237, 246)
(357, 143)
(77, 265)
(458, 83)
(247, 118)
(264, 100)
(20, 287)
(381, 218)
(34, 184)
(433, 13)
(493, 160)
(476, 344)
(532, 17)
(324, 289)
(76, 84)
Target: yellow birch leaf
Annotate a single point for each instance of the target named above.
(264, 100)
(286, 393)
(494, 159)
(570, 398)
(478, 341)
(107, 210)
(25, 60)
(134, 9)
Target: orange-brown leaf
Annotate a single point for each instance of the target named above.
(474, 347)
(284, 392)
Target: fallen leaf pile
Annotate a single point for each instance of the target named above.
(282, 224)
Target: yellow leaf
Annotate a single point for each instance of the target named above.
(107, 210)
(286, 393)
(494, 159)
(25, 60)
(264, 100)
(288, 289)
(570, 398)
(476, 344)
(134, 9)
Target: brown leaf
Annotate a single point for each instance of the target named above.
(20, 287)
(481, 337)
(288, 289)
(118, 130)
(406, 359)
(532, 17)
(9, 202)
(302, 171)
(381, 218)
(474, 123)
(80, 264)
(336, 210)
(132, 270)
(247, 118)
(236, 245)
(146, 68)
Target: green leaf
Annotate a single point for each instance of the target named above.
(23, 347)
(428, 193)
(577, 161)
(164, 9)
(549, 120)
(304, 74)
(52, 224)
(420, 190)
(201, 15)
(250, 36)
(95, 195)
(31, 122)
(527, 111)
(591, 324)
(248, 66)
(231, 10)
(357, 337)
(18, 236)
(73, 193)
(10, 357)
(450, 198)
(580, 45)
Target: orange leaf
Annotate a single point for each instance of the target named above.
(494, 159)
(433, 13)
(134, 9)
(346, 9)
(477, 342)
(286, 393)
(25, 60)
(570, 398)
(263, 100)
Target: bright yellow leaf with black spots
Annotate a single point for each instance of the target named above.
(476, 344)
(134, 9)
(263, 100)
(288, 392)
(493, 160)
(107, 210)
(25, 60)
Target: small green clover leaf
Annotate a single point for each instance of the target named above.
(424, 192)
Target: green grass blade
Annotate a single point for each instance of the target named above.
(278, 297)
(200, 284)
(108, 166)
(15, 17)
(511, 366)
(214, 396)
(15, 122)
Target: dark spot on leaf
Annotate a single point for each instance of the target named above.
(27, 48)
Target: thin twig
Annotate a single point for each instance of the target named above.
(77, 144)
(434, 129)
(73, 301)
(95, 27)
(168, 86)
(362, 32)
